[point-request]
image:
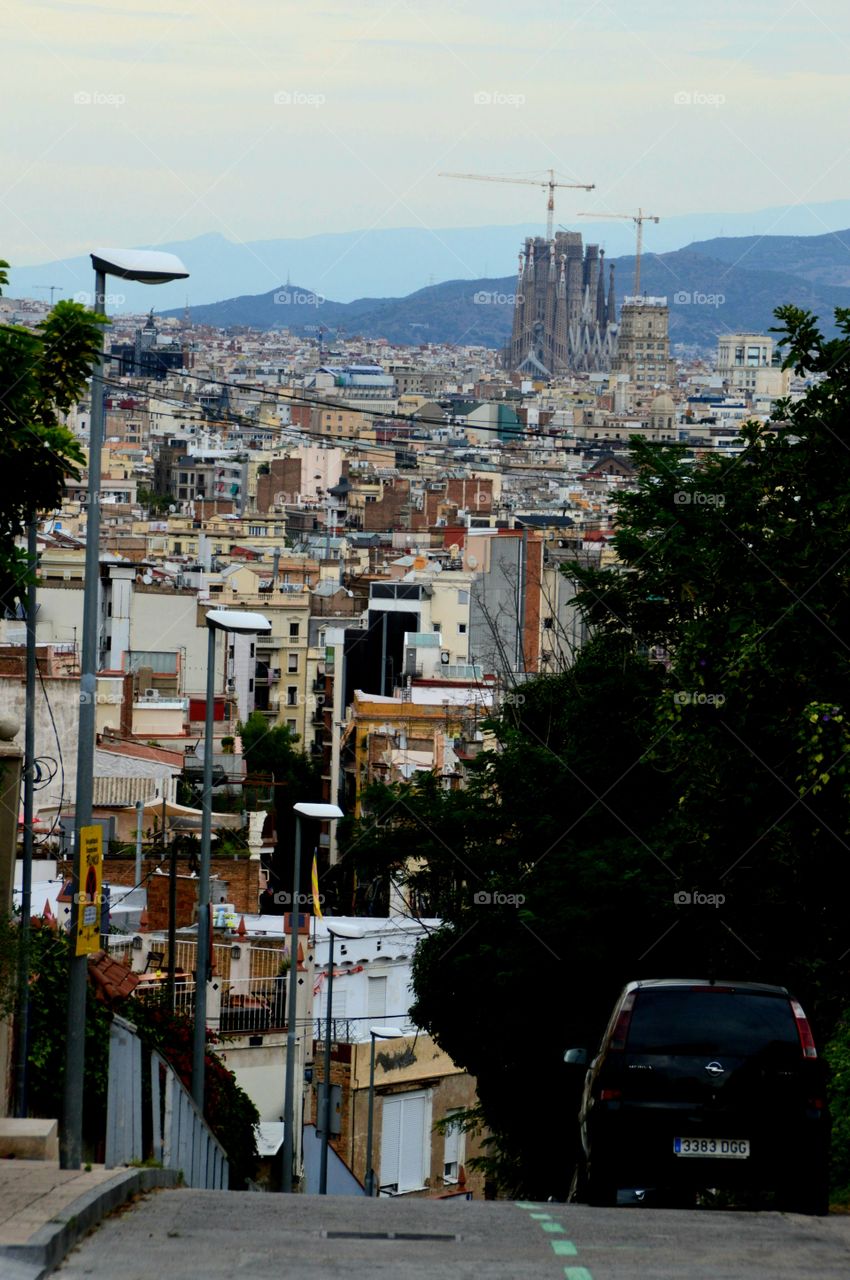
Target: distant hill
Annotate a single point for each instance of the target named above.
(822, 259)
(709, 293)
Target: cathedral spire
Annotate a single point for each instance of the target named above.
(611, 312)
(600, 290)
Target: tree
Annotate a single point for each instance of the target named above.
(271, 753)
(43, 372)
(677, 802)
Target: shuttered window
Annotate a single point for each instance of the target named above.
(405, 1146)
(377, 998)
(453, 1152)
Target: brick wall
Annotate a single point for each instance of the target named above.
(242, 876)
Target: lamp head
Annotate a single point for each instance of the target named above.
(146, 266)
(386, 1033)
(324, 812)
(237, 621)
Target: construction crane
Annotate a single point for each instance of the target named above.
(638, 219)
(54, 288)
(548, 184)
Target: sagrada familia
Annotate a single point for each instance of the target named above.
(562, 320)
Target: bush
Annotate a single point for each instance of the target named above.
(837, 1054)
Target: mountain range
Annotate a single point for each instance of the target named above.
(385, 262)
(715, 286)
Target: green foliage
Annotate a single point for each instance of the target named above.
(837, 1054)
(271, 752)
(42, 375)
(9, 954)
(699, 743)
(48, 1013)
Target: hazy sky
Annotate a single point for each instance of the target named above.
(147, 121)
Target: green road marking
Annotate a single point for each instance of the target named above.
(564, 1248)
(524, 1204)
(577, 1273)
(551, 1226)
(543, 1217)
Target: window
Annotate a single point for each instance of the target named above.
(376, 1006)
(292, 663)
(453, 1149)
(250, 684)
(253, 650)
(547, 624)
(463, 597)
(461, 628)
(405, 1122)
(178, 548)
(292, 695)
(292, 726)
(435, 626)
(294, 628)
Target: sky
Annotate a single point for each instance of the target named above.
(138, 123)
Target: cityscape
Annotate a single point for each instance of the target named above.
(423, 629)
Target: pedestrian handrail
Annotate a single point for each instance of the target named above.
(178, 1135)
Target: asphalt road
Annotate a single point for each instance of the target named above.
(210, 1235)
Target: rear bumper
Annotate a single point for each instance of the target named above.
(635, 1145)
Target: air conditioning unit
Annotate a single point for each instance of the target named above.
(231, 686)
(150, 693)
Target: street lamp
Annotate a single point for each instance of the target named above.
(147, 267)
(340, 931)
(376, 1033)
(326, 813)
(237, 622)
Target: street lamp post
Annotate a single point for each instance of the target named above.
(376, 1033)
(146, 267)
(341, 931)
(240, 623)
(326, 813)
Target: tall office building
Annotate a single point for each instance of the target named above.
(643, 343)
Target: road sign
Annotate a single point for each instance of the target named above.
(90, 897)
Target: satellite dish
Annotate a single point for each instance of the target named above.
(438, 568)
(172, 509)
(472, 561)
(147, 579)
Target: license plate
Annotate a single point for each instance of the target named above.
(713, 1148)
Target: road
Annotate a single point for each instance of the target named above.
(186, 1235)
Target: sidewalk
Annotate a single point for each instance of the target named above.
(45, 1210)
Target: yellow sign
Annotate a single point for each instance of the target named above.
(89, 897)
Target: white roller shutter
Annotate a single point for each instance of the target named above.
(377, 998)
(405, 1141)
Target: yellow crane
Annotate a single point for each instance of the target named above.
(638, 219)
(548, 184)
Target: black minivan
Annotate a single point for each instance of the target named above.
(700, 1084)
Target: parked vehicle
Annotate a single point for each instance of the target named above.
(702, 1084)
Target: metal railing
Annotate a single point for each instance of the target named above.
(179, 1138)
(251, 1005)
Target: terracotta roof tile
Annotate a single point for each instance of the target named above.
(113, 980)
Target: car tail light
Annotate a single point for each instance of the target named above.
(807, 1040)
(621, 1026)
(610, 1095)
(816, 1104)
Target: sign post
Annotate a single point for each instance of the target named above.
(89, 904)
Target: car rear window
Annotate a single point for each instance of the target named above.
(681, 1020)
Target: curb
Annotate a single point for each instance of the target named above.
(47, 1246)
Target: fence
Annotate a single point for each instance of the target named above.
(174, 1131)
(254, 1004)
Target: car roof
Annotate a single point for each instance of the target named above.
(763, 988)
